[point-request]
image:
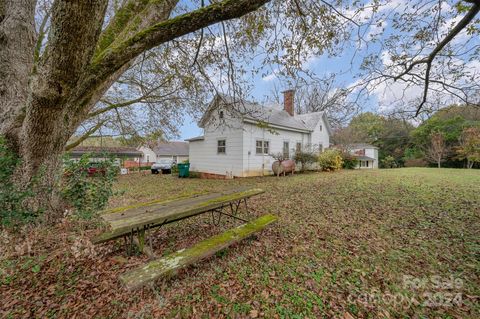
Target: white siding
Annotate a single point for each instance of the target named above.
(161, 157)
(373, 153)
(177, 158)
(260, 164)
(181, 158)
(320, 135)
(369, 152)
(241, 159)
(148, 154)
(203, 154)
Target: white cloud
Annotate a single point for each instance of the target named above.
(272, 76)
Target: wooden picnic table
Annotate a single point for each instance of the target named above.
(139, 218)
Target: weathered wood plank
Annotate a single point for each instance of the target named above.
(167, 266)
(155, 215)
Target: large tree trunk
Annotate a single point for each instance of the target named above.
(48, 112)
(17, 40)
(42, 107)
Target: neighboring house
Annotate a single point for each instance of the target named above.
(176, 151)
(100, 153)
(366, 154)
(239, 136)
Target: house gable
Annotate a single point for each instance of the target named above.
(241, 128)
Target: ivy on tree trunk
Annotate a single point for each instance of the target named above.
(43, 105)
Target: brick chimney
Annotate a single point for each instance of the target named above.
(288, 98)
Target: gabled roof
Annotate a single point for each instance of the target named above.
(196, 138)
(361, 145)
(363, 158)
(311, 120)
(99, 150)
(171, 149)
(251, 111)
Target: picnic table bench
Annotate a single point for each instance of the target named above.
(138, 220)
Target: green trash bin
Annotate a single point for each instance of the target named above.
(183, 169)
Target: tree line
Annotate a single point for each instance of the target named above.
(450, 137)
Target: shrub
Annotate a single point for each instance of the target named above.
(389, 162)
(88, 194)
(13, 211)
(194, 174)
(279, 156)
(139, 168)
(305, 158)
(418, 162)
(349, 161)
(330, 160)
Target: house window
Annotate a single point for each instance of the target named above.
(366, 163)
(262, 147)
(320, 148)
(298, 148)
(320, 128)
(148, 158)
(286, 152)
(221, 114)
(221, 146)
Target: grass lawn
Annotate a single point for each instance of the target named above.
(370, 244)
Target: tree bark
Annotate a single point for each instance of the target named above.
(41, 108)
(17, 41)
(46, 127)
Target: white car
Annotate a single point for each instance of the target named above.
(164, 165)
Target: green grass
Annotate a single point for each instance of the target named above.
(343, 243)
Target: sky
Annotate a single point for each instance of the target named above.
(346, 66)
(263, 87)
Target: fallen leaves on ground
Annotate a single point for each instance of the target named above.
(344, 241)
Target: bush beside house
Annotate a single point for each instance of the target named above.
(330, 160)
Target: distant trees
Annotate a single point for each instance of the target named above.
(447, 138)
(457, 126)
(438, 149)
(390, 134)
(389, 162)
(469, 148)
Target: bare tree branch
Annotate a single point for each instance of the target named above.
(164, 31)
(85, 135)
(469, 16)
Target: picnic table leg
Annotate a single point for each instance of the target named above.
(246, 207)
(140, 243)
(141, 240)
(217, 222)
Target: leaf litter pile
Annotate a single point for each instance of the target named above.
(352, 244)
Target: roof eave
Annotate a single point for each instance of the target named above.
(286, 128)
(195, 139)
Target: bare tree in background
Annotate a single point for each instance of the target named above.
(438, 150)
(324, 95)
(414, 56)
(429, 59)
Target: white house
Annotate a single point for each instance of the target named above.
(366, 154)
(239, 136)
(176, 151)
